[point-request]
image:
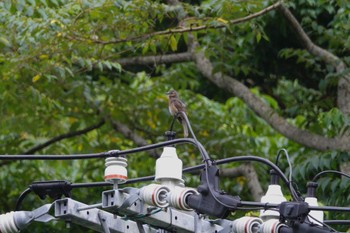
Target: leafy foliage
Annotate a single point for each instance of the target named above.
(60, 72)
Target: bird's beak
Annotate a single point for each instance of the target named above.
(167, 93)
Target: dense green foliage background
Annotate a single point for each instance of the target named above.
(61, 71)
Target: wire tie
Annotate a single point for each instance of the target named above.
(113, 153)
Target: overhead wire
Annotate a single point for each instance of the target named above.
(318, 175)
(111, 153)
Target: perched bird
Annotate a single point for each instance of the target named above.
(176, 106)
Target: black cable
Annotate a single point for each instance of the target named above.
(201, 166)
(55, 157)
(191, 169)
(337, 222)
(112, 153)
(21, 198)
(266, 162)
(208, 163)
(318, 175)
(187, 170)
(320, 222)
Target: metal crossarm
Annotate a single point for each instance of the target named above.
(97, 219)
(166, 218)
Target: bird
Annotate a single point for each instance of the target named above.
(176, 106)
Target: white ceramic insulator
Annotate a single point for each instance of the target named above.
(271, 226)
(317, 214)
(178, 195)
(115, 171)
(155, 195)
(169, 166)
(273, 195)
(246, 225)
(7, 223)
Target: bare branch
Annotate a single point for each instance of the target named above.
(128, 133)
(305, 39)
(328, 57)
(248, 171)
(177, 30)
(64, 136)
(155, 60)
(263, 110)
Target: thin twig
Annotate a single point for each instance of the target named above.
(177, 30)
(64, 136)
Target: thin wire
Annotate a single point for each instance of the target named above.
(290, 180)
(323, 224)
(317, 176)
(21, 198)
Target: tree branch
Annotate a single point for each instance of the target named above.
(248, 171)
(280, 124)
(177, 30)
(128, 133)
(64, 136)
(328, 57)
(158, 59)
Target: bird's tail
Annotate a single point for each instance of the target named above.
(184, 125)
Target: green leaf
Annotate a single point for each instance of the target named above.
(258, 37)
(4, 41)
(173, 43)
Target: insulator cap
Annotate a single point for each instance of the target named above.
(168, 166)
(273, 195)
(246, 224)
(274, 178)
(271, 226)
(115, 171)
(311, 189)
(155, 195)
(178, 197)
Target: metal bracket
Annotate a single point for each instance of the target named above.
(168, 218)
(68, 209)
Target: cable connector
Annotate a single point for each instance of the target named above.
(54, 189)
(210, 200)
(293, 212)
(170, 135)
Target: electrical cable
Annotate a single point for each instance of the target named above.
(208, 163)
(288, 160)
(290, 170)
(21, 198)
(191, 169)
(337, 222)
(318, 175)
(111, 153)
(322, 223)
(185, 170)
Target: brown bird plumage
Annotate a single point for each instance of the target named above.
(175, 107)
